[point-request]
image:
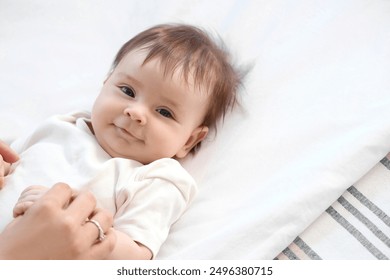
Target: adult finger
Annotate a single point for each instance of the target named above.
(59, 194)
(82, 206)
(101, 250)
(1, 172)
(8, 154)
(2, 166)
(98, 225)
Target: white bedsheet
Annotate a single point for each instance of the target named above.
(316, 104)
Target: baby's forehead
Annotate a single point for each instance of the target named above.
(184, 74)
(187, 68)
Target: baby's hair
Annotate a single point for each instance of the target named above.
(198, 56)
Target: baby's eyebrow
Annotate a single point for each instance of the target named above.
(171, 102)
(126, 76)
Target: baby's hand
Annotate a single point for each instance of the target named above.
(7, 156)
(27, 198)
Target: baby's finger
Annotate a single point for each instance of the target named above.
(33, 191)
(21, 207)
(30, 197)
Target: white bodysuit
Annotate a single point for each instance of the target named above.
(144, 199)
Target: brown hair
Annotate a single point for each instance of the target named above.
(193, 52)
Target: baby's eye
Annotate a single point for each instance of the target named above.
(128, 91)
(165, 113)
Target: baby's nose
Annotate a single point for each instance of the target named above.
(136, 114)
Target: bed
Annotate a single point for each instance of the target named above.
(300, 172)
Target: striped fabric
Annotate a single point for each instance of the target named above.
(356, 226)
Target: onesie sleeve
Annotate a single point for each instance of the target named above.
(163, 191)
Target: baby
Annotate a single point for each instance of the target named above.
(168, 86)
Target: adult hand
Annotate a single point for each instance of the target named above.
(55, 227)
(7, 156)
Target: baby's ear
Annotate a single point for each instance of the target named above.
(197, 136)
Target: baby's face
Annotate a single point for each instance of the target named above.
(143, 115)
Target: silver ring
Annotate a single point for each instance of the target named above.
(101, 236)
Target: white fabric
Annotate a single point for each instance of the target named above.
(315, 105)
(144, 199)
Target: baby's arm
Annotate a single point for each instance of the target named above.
(127, 249)
(7, 157)
(27, 198)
